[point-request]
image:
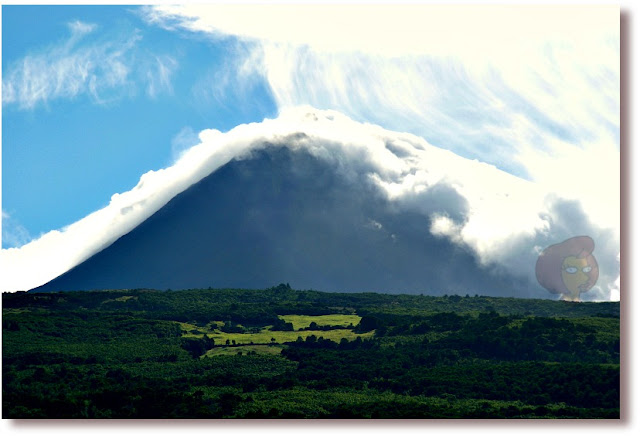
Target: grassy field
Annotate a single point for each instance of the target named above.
(264, 336)
(246, 342)
(192, 330)
(303, 321)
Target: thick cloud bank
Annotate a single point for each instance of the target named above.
(533, 90)
(342, 184)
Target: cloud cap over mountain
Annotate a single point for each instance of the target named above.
(378, 189)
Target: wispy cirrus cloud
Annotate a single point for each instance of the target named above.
(159, 75)
(70, 68)
(14, 234)
(531, 90)
(103, 66)
(79, 28)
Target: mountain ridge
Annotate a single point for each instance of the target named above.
(394, 203)
(284, 215)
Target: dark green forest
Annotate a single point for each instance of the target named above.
(281, 353)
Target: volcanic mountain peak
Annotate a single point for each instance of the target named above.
(321, 201)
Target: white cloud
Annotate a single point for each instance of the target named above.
(231, 84)
(102, 65)
(442, 225)
(561, 133)
(79, 28)
(533, 90)
(159, 75)
(501, 217)
(183, 141)
(68, 69)
(385, 29)
(14, 234)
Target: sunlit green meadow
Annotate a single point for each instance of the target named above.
(266, 336)
(303, 321)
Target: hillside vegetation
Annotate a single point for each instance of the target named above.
(281, 353)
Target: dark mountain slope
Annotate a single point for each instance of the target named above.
(286, 216)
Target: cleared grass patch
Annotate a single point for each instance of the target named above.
(264, 336)
(126, 298)
(186, 327)
(303, 321)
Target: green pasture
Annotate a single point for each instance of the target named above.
(303, 321)
(187, 327)
(265, 335)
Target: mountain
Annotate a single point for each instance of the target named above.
(322, 202)
(283, 214)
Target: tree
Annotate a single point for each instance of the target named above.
(368, 323)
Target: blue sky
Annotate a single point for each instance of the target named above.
(96, 97)
(65, 155)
